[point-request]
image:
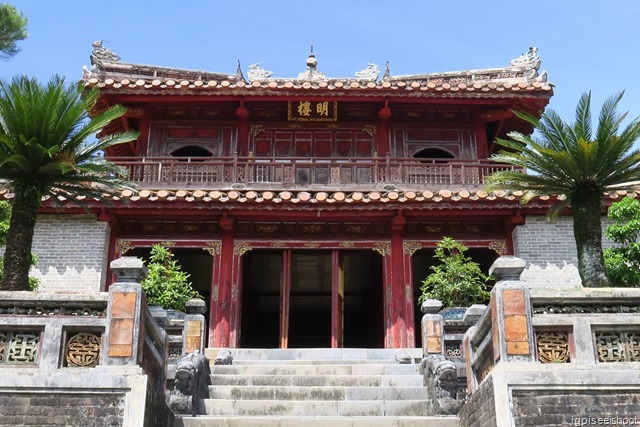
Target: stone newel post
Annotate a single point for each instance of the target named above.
(512, 331)
(432, 326)
(123, 343)
(193, 332)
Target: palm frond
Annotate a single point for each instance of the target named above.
(582, 126)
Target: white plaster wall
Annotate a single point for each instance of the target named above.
(72, 252)
(549, 248)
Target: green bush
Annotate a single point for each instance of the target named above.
(166, 284)
(623, 261)
(456, 280)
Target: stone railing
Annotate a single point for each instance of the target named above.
(90, 353)
(531, 348)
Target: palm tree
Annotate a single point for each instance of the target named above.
(47, 149)
(573, 160)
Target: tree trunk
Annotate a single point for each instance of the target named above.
(17, 255)
(587, 230)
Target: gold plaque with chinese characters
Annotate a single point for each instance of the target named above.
(317, 111)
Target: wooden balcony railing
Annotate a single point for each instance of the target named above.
(306, 171)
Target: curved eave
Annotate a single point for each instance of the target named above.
(426, 199)
(405, 89)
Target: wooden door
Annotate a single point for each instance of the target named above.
(337, 300)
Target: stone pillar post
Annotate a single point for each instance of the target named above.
(123, 343)
(193, 332)
(511, 327)
(432, 326)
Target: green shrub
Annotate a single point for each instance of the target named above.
(166, 284)
(456, 280)
(623, 261)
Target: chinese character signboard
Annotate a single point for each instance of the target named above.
(321, 111)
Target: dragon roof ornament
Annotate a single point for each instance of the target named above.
(256, 73)
(530, 60)
(102, 53)
(370, 73)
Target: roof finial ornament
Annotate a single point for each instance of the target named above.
(530, 61)
(239, 72)
(387, 72)
(312, 73)
(102, 53)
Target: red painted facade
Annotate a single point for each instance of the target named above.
(303, 191)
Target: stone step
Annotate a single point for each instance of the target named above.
(364, 355)
(316, 393)
(285, 421)
(323, 408)
(318, 380)
(322, 369)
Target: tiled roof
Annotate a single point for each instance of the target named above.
(325, 197)
(520, 78)
(425, 87)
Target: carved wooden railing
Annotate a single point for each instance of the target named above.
(308, 171)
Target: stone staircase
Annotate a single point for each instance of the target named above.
(316, 387)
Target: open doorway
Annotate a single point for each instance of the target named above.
(303, 299)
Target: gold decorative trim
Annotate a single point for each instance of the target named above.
(411, 247)
(168, 243)
(83, 350)
(278, 245)
(370, 129)
(383, 248)
(499, 246)
(311, 245)
(240, 248)
(256, 129)
(123, 246)
(553, 347)
(346, 244)
(213, 248)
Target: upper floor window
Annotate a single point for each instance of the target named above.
(433, 153)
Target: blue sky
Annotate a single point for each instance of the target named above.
(584, 45)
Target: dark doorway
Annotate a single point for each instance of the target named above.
(304, 299)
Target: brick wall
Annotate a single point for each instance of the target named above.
(545, 408)
(59, 409)
(549, 249)
(72, 252)
(479, 410)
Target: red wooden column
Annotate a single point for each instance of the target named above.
(395, 288)
(242, 113)
(384, 147)
(337, 300)
(220, 316)
(409, 248)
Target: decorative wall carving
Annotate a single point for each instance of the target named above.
(411, 247)
(618, 346)
(383, 248)
(213, 248)
(55, 310)
(452, 348)
(83, 350)
(123, 246)
(553, 347)
(240, 248)
(19, 348)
